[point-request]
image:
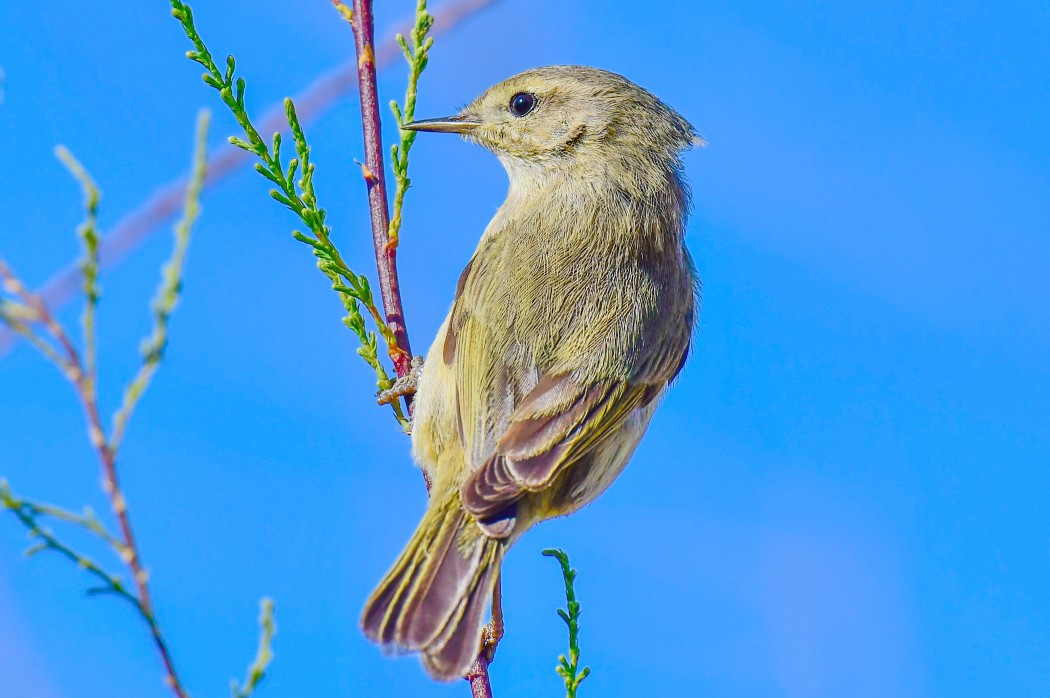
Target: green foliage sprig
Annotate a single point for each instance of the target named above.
(264, 655)
(165, 298)
(89, 239)
(568, 668)
(31, 514)
(417, 56)
(299, 196)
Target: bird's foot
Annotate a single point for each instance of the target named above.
(491, 634)
(405, 385)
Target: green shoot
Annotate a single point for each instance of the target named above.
(299, 196)
(568, 668)
(263, 656)
(417, 57)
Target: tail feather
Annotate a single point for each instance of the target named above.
(457, 650)
(384, 607)
(440, 585)
(434, 597)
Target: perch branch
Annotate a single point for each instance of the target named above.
(375, 179)
(384, 237)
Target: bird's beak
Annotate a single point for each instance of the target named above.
(448, 124)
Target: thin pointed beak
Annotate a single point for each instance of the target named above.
(448, 124)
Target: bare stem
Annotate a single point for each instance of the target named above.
(375, 179)
(480, 685)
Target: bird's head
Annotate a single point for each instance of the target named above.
(571, 118)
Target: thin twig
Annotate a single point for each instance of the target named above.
(375, 179)
(17, 316)
(87, 521)
(569, 667)
(311, 103)
(417, 55)
(29, 514)
(263, 656)
(168, 291)
(88, 232)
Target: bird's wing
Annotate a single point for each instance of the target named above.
(556, 425)
(537, 387)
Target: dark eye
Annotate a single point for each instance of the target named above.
(522, 103)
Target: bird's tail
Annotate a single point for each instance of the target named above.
(433, 599)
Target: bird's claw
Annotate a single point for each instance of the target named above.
(405, 385)
(491, 634)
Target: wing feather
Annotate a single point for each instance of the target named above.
(540, 443)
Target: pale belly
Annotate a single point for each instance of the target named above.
(435, 434)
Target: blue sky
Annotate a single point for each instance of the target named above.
(843, 495)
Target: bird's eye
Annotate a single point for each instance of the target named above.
(522, 103)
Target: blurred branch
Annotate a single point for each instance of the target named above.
(264, 655)
(30, 514)
(311, 103)
(168, 290)
(30, 308)
(87, 521)
(568, 668)
(88, 233)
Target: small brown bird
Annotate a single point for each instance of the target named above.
(569, 322)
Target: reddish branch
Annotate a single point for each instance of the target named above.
(84, 385)
(480, 686)
(386, 254)
(375, 179)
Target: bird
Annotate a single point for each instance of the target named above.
(571, 319)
